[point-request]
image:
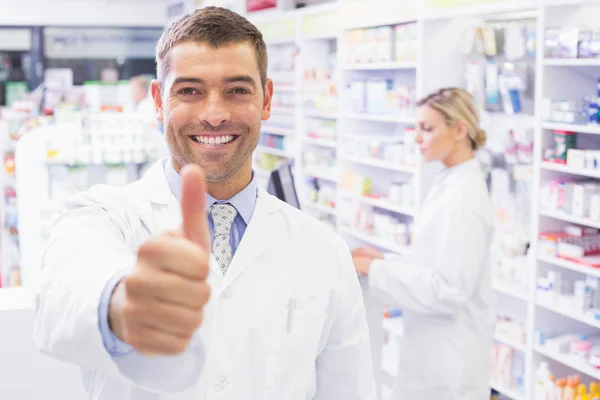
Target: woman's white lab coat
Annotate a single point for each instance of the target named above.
(249, 346)
(444, 289)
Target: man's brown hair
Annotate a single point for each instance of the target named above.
(216, 27)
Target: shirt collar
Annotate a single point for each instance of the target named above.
(447, 175)
(243, 201)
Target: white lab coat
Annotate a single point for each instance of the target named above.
(444, 289)
(243, 349)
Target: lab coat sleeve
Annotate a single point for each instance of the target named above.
(86, 250)
(344, 367)
(442, 289)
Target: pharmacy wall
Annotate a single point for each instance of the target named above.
(344, 114)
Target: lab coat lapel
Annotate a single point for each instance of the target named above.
(257, 237)
(160, 211)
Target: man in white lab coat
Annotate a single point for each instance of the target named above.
(192, 283)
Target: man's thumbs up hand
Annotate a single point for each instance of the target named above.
(159, 305)
(193, 204)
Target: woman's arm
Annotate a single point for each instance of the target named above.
(461, 245)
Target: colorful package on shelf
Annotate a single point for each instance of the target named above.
(256, 5)
(563, 142)
(571, 42)
(583, 249)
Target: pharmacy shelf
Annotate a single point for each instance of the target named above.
(592, 129)
(382, 243)
(320, 207)
(282, 110)
(324, 36)
(273, 130)
(380, 66)
(395, 326)
(572, 265)
(572, 62)
(574, 315)
(320, 114)
(332, 144)
(284, 89)
(275, 152)
(510, 342)
(16, 298)
(402, 119)
(380, 164)
(322, 176)
(371, 23)
(384, 205)
(555, 3)
(571, 361)
(548, 166)
(510, 393)
(563, 216)
(509, 291)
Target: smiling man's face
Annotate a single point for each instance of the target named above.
(212, 104)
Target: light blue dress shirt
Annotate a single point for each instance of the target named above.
(244, 202)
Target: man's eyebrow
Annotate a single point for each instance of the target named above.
(185, 79)
(240, 78)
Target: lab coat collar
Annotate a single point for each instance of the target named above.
(257, 238)
(458, 172)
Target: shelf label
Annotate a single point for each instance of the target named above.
(281, 29)
(320, 24)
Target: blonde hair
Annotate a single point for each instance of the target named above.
(457, 105)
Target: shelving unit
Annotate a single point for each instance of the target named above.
(590, 129)
(562, 216)
(506, 290)
(386, 245)
(380, 118)
(511, 394)
(380, 164)
(275, 152)
(570, 361)
(548, 166)
(570, 265)
(380, 66)
(572, 314)
(382, 204)
(320, 207)
(517, 346)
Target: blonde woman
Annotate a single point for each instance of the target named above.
(444, 284)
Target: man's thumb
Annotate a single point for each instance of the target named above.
(193, 204)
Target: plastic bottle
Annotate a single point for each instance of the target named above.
(594, 391)
(561, 386)
(551, 388)
(581, 392)
(542, 377)
(569, 393)
(571, 389)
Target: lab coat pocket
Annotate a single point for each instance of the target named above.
(291, 366)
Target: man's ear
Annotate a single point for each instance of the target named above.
(158, 100)
(266, 110)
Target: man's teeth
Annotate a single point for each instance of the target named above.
(214, 140)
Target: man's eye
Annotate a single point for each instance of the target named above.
(241, 91)
(188, 91)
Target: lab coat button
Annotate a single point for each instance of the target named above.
(227, 293)
(220, 384)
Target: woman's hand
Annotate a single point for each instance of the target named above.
(363, 258)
